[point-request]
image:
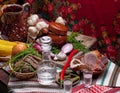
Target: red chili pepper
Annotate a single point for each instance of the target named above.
(67, 64)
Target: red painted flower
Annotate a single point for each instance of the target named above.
(111, 51)
(63, 11)
(79, 5)
(69, 10)
(50, 7)
(81, 23)
(72, 16)
(76, 28)
(107, 41)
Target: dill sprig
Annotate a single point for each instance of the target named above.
(77, 44)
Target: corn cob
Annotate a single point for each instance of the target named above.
(6, 47)
(5, 50)
(6, 42)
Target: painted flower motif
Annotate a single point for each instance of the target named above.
(79, 5)
(76, 28)
(107, 41)
(72, 16)
(50, 7)
(111, 52)
(63, 11)
(69, 10)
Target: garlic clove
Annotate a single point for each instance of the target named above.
(61, 56)
(55, 58)
(41, 25)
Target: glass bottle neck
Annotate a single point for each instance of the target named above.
(46, 55)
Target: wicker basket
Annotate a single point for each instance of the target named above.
(24, 75)
(20, 75)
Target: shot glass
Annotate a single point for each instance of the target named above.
(67, 86)
(87, 78)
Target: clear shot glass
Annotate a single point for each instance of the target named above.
(67, 86)
(87, 78)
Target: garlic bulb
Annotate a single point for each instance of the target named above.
(34, 16)
(33, 31)
(60, 20)
(32, 20)
(61, 56)
(41, 25)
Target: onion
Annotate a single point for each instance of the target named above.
(68, 47)
(37, 47)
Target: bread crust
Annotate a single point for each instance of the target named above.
(57, 28)
(58, 40)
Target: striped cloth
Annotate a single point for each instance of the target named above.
(31, 86)
(109, 78)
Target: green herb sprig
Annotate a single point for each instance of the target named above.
(77, 44)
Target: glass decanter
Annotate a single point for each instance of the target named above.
(46, 71)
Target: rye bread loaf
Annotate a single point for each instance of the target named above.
(57, 28)
(58, 33)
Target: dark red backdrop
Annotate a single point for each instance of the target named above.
(99, 12)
